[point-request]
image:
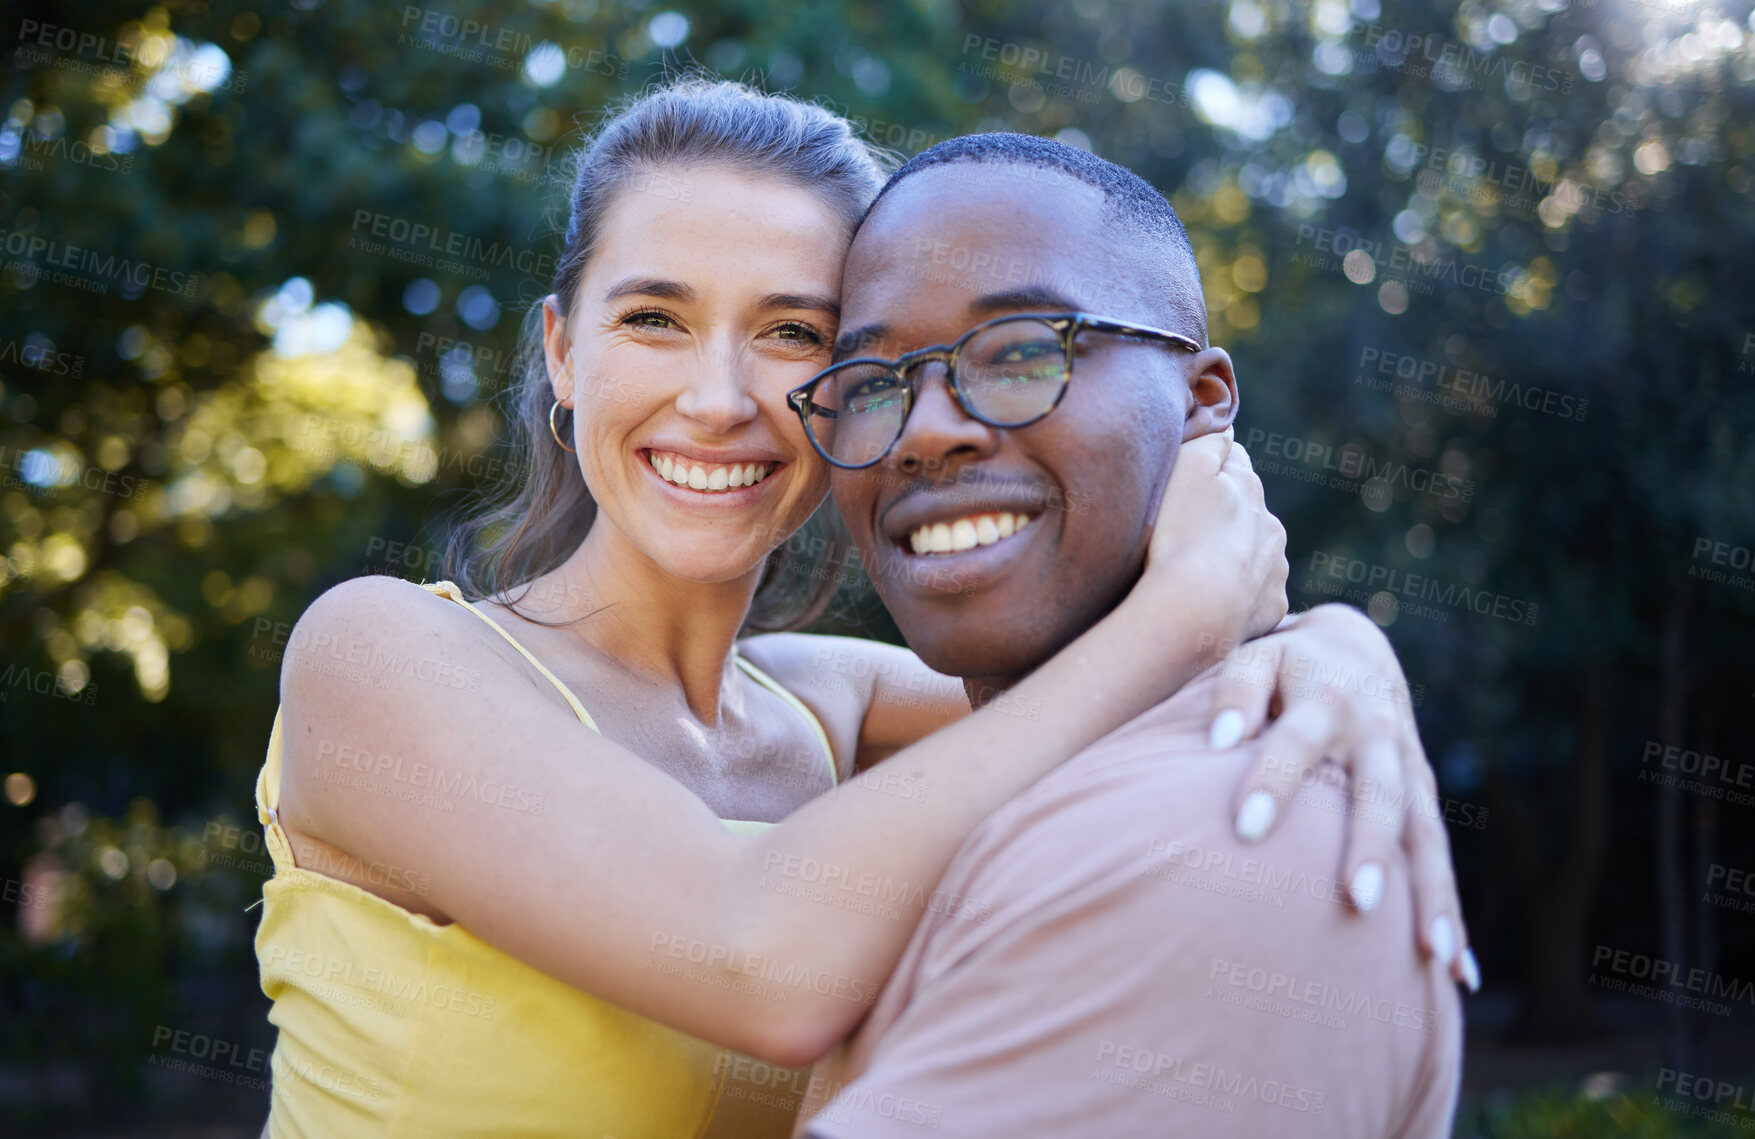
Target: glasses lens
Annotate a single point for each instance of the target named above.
(857, 413)
(1014, 371)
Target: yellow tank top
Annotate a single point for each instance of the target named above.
(392, 1025)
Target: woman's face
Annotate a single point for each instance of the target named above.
(711, 294)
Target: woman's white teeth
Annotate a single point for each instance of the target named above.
(708, 476)
(966, 533)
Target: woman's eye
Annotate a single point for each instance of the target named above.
(649, 320)
(802, 333)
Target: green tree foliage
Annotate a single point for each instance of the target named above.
(1484, 269)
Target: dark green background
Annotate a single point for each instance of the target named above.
(176, 492)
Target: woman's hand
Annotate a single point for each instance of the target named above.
(1337, 690)
(1215, 539)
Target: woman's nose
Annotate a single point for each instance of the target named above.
(718, 396)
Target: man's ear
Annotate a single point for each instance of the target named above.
(1212, 389)
(557, 349)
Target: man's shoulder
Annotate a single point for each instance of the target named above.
(1109, 916)
(1151, 784)
(1180, 722)
(1152, 792)
(1166, 746)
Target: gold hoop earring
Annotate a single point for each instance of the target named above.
(554, 407)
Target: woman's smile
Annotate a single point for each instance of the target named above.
(733, 478)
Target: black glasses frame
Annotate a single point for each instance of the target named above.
(802, 399)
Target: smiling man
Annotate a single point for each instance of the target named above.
(1126, 966)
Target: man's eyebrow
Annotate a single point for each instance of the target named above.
(819, 302)
(848, 343)
(1038, 297)
(650, 287)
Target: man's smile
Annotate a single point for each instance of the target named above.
(972, 512)
(966, 532)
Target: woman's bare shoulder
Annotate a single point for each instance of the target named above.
(854, 665)
(362, 597)
(823, 673)
(362, 636)
(379, 675)
(819, 660)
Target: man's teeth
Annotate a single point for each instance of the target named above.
(966, 533)
(707, 476)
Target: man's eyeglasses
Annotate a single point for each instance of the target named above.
(1006, 372)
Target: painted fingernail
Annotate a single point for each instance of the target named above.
(1227, 730)
(1471, 971)
(1442, 935)
(1367, 888)
(1256, 815)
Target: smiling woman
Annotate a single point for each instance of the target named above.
(735, 307)
(654, 168)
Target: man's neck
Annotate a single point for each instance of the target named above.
(983, 690)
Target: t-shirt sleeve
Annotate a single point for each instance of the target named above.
(1117, 963)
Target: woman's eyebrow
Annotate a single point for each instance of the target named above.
(819, 302)
(677, 291)
(650, 287)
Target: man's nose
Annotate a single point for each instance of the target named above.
(938, 429)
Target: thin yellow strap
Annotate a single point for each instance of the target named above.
(448, 589)
(816, 725)
(268, 805)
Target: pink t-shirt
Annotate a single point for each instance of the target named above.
(1105, 958)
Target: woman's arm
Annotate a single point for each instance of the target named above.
(1335, 688)
(625, 884)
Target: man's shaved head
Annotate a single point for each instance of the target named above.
(1006, 225)
(1144, 218)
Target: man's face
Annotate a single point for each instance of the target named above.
(948, 248)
